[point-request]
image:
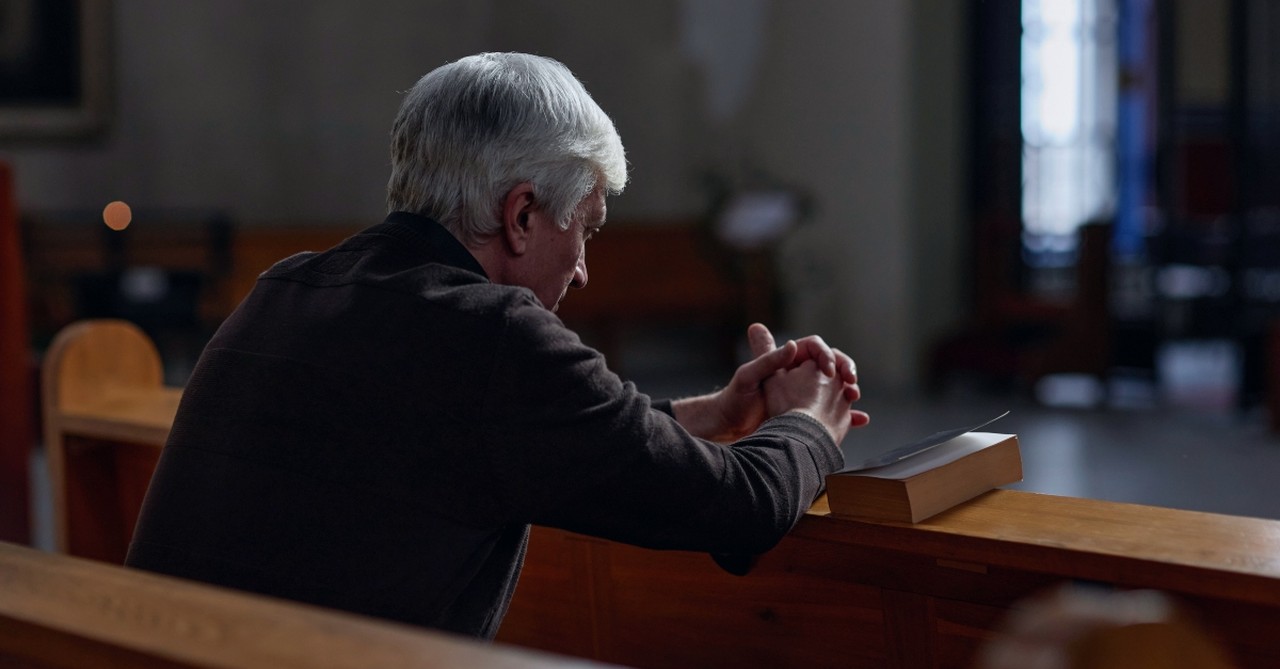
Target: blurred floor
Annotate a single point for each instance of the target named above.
(1216, 462)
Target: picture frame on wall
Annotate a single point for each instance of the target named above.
(55, 69)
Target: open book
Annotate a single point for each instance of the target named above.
(927, 477)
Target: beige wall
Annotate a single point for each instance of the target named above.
(831, 113)
(279, 111)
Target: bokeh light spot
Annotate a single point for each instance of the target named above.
(117, 215)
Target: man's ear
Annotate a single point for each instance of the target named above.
(519, 207)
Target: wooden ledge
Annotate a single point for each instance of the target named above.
(59, 611)
(1213, 555)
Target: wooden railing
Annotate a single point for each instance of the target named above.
(60, 612)
(835, 592)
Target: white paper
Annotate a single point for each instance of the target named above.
(950, 451)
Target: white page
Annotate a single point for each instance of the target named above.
(902, 452)
(950, 451)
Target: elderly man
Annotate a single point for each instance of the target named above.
(377, 425)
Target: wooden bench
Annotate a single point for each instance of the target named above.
(835, 592)
(59, 612)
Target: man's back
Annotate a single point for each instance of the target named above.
(376, 426)
(308, 461)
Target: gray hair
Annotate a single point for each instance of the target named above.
(471, 130)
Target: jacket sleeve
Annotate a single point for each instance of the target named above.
(574, 447)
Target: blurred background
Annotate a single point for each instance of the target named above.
(1068, 208)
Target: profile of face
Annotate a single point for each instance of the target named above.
(556, 259)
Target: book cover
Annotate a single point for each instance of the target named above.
(929, 480)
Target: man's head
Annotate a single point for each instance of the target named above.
(472, 130)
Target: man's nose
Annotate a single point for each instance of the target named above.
(580, 274)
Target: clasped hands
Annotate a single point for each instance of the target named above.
(804, 375)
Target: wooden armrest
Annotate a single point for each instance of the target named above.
(135, 415)
(1190, 552)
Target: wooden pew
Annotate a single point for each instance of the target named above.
(59, 612)
(835, 592)
(106, 416)
(842, 592)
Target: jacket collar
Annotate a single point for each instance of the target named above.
(428, 237)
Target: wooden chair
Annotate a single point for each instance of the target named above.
(106, 416)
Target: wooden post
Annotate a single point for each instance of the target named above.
(17, 429)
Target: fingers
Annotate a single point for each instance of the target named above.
(833, 362)
(852, 393)
(768, 358)
(845, 367)
(848, 371)
(759, 339)
(755, 372)
(814, 348)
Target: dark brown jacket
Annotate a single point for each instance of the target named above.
(376, 426)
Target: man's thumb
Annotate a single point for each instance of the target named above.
(759, 339)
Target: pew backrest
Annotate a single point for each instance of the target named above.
(106, 415)
(63, 612)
